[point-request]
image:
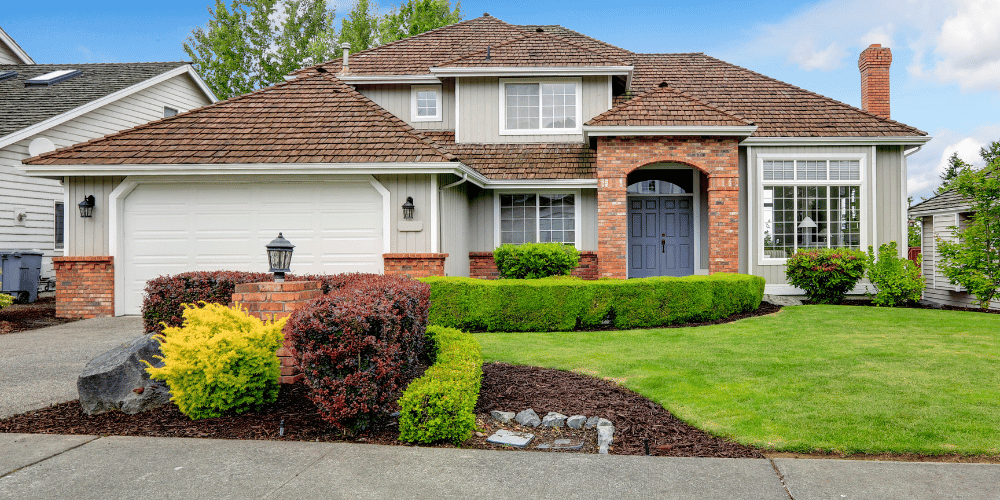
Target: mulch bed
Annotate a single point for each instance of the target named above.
(21, 317)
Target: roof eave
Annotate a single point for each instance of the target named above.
(388, 79)
(533, 71)
(610, 131)
(15, 48)
(837, 141)
(924, 212)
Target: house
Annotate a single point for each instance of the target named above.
(651, 164)
(48, 106)
(939, 216)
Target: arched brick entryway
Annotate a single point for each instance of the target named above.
(717, 157)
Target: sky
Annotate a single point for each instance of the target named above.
(945, 76)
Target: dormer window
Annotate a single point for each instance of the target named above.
(425, 103)
(540, 106)
(53, 77)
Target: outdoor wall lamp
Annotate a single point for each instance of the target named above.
(279, 256)
(408, 208)
(87, 206)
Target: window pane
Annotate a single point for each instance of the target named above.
(60, 224)
(779, 237)
(522, 105)
(558, 105)
(557, 218)
(517, 218)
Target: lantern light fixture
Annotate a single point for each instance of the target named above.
(408, 208)
(279, 256)
(87, 206)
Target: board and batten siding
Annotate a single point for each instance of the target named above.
(419, 187)
(89, 237)
(479, 111)
(885, 194)
(482, 220)
(7, 55)
(455, 226)
(39, 195)
(937, 287)
(396, 99)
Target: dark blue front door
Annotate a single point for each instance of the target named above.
(661, 236)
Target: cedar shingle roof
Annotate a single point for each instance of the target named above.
(666, 107)
(535, 49)
(522, 161)
(26, 106)
(315, 119)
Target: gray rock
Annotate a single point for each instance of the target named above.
(528, 418)
(605, 435)
(553, 419)
(117, 379)
(576, 421)
(511, 438)
(591, 422)
(502, 416)
(781, 300)
(561, 444)
(603, 422)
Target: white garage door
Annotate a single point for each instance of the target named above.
(172, 228)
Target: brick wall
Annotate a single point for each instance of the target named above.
(874, 64)
(717, 157)
(271, 301)
(85, 286)
(482, 266)
(414, 265)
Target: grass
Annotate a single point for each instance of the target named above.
(812, 378)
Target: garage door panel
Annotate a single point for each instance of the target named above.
(172, 228)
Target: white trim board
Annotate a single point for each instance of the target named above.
(608, 130)
(388, 79)
(15, 48)
(539, 71)
(834, 141)
(108, 99)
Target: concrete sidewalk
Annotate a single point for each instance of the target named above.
(88, 467)
(40, 367)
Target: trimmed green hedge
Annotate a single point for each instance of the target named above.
(562, 304)
(440, 405)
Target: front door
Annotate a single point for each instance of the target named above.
(661, 236)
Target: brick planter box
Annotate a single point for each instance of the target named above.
(414, 265)
(85, 286)
(482, 266)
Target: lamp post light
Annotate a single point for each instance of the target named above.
(87, 206)
(279, 256)
(809, 225)
(408, 208)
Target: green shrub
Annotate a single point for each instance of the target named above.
(221, 360)
(896, 280)
(441, 404)
(825, 274)
(6, 300)
(535, 260)
(553, 304)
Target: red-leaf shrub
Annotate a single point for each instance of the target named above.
(165, 296)
(358, 345)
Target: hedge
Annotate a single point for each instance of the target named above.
(166, 295)
(441, 404)
(561, 304)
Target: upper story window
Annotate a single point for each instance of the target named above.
(425, 103)
(540, 106)
(168, 112)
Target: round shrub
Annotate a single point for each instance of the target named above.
(535, 260)
(6, 300)
(896, 280)
(359, 345)
(826, 274)
(221, 360)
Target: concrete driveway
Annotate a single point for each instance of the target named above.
(39, 367)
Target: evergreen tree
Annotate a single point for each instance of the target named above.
(955, 168)
(991, 152)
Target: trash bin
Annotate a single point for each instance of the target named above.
(20, 275)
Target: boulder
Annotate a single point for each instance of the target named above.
(605, 435)
(591, 422)
(117, 379)
(553, 419)
(528, 418)
(576, 421)
(502, 416)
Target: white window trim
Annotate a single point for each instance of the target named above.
(577, 212)
(413, 103)
(502, 100)
(758, 176)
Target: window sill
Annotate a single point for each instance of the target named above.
(426, 119)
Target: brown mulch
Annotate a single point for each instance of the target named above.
(506, 387)
(21, 317)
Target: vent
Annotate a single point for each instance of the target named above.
(7, 75)
(52, 78)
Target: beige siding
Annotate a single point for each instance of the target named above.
(455, 227)
(481, 220)
(744, 252)
(396, 99)
(479, 110)
(588, 209)
(399, 187)
(7, 55)
(89, 236)
(928, 251)
(938, 290)
(891, 185)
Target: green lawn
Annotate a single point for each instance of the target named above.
(833, 378)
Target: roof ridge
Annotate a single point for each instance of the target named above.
(821, 96)
(651, 93)
(536, 34)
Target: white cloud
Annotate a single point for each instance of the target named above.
(924, 168)
(879, 34)
(969, 46)
(809, 58)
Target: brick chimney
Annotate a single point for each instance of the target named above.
(874, 65)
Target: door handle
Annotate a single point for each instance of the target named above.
(663, 246)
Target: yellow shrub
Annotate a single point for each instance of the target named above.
(5, 300)
(220, 360)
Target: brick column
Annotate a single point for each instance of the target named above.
(723, 224)
(414, 265)
(273, 301)
(483, 266)
(85, 286)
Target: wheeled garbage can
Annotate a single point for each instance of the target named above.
(20, 275)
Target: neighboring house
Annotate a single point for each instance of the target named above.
(939, 216)
(651, 164)
(49, 106)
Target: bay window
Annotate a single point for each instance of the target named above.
(537, 218)
(540, 107)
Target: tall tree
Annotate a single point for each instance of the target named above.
(991, 152)
(254, 43)
(361, 27)
(955, 167)
(417, 16)
(973, 259)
